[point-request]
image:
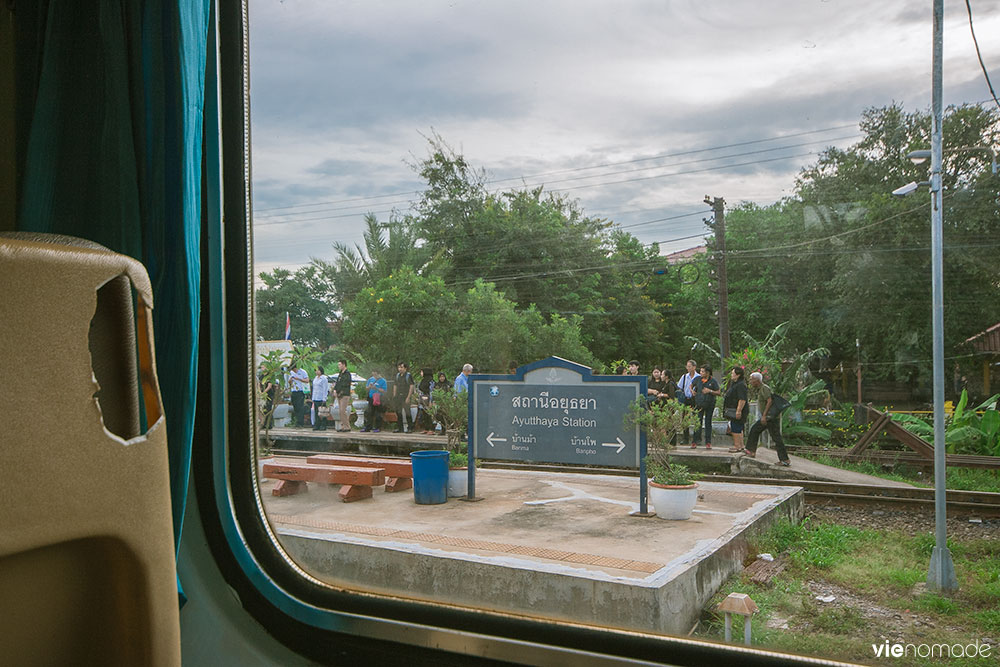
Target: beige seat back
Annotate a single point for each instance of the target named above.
(87, 568)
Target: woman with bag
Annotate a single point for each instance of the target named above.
(735, 408)
(377, 389)
(705, 390)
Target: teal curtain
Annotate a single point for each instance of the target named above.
(111, 94)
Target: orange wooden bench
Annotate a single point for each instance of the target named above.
(398, 472)
(356, 482)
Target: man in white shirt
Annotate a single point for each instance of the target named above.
(298, 381)
(685, 391)
(321, 389)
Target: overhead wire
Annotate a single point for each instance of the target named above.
(610, 164)
(979, 55)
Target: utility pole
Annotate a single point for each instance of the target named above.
(941, 574)
(719, 227)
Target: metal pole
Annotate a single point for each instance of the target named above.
(719, 211)
(941, 576)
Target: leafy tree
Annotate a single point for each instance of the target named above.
(355, 269)
(843, 260)
(305, 296)
(403, 316)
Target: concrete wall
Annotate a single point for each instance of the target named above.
(669, 601)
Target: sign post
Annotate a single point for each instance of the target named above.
(556, 411)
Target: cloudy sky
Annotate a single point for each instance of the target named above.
(636, 109)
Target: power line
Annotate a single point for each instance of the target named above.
(565, 180)
(975, 41)
(574, 169)
(700, 160)
(685, 173)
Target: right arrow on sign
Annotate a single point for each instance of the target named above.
(620, 445)
(490, 439)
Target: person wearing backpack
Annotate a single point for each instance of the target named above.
(771, 406)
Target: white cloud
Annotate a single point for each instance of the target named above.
(343, 91)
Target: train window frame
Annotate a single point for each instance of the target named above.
(308, 616)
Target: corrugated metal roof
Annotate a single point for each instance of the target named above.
(987, 341)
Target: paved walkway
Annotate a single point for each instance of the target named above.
(765, 465)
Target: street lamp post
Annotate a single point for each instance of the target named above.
(941, 575)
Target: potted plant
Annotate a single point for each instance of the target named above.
(673, 492)
(458, 473)
(452, 410)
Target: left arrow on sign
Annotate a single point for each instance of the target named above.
(620, 445)
(490, 439)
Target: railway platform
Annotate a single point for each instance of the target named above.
(548, 544)
(718, 459)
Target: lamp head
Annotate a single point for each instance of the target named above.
(905, 190)
(920, 156)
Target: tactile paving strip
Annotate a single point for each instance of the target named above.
(483, 545)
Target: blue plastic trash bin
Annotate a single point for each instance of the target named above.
(430, 477)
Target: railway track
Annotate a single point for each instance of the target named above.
(958, 503)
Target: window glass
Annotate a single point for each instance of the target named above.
(494, 184)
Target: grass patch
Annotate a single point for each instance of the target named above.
(989, 620)
(873, 575)
(839, 620)
(935, 604)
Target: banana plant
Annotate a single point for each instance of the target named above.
(793, 422)
(966, 432)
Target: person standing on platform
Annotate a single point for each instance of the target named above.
(772, 425)
(402, 395)
(656, 389)
(685, 393)
(706, 388)
(320, 391)
(342, 393)
(298, 381)
(462, 381)
(735, 407)
(377, 390)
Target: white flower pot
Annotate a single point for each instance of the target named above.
(673, 502)
(458, 482)
(359, 410)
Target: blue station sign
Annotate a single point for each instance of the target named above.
(555, 411)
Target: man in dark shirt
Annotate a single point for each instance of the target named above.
(342, 394)
(402, 394)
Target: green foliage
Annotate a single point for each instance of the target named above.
(839, 620)
(966, 432)
(676, 474)
(452, 410)
(840, 260)
(270, 372)
(305, 358)
(405, 315)
(662, 422)
(458, 459)
(819, 545)
(305, 296)
(835, 257)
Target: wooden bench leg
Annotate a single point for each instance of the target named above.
(351, 492)
(288, 487)
(398, 484)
